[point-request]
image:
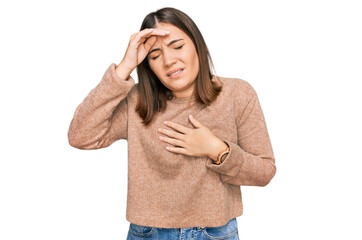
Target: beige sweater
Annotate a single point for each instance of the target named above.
(171, 190)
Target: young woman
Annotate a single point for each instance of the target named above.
(193, 137)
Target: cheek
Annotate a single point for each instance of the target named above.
(154, 67)
(191, 57)
(194, 57)
(195, 61)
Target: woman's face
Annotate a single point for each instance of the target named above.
(173, 52)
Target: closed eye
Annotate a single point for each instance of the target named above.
(180, 47)
(175, 48)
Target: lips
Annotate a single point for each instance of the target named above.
(173, 71)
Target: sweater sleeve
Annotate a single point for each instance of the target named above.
(101, 118)
(251, 160)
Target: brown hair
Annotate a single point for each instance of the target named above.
(153, 95)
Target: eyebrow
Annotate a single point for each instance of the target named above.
(170, 43)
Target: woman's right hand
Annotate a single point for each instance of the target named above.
(138, 49)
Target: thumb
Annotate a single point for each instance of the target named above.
(149, 43)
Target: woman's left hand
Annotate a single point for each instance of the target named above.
(199, 141)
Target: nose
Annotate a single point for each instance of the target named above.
(168, 58)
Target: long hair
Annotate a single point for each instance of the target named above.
(152, 94)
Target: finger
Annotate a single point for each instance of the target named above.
(177, 150)
(176, 126)
(160, 31)
(141, 33)
(147, 32)
(141, 36)
(194, 122)
(172, 141)
(152, 34)
(149, 43)
(171, 133)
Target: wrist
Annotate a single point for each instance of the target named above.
(220, 147)
(123, 71)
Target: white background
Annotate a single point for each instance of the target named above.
(304, 59)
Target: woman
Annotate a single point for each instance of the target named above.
(193, 137)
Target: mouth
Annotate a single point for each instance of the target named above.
(175, 72)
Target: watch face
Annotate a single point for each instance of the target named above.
(224, 156)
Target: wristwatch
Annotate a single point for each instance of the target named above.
(221, 156)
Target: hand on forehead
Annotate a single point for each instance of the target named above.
(175, 33)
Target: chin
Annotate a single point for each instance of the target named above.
(179, 85)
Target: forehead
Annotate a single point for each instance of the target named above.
(175, 32)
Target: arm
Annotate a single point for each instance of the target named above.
(101, 118)
(251, 160)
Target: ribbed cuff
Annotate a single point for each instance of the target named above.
(231, 164)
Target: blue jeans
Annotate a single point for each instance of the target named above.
(227, 232)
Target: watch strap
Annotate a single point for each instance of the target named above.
(222, 155)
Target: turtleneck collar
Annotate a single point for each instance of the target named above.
(189, 99)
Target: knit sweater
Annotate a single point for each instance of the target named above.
(173, 190)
